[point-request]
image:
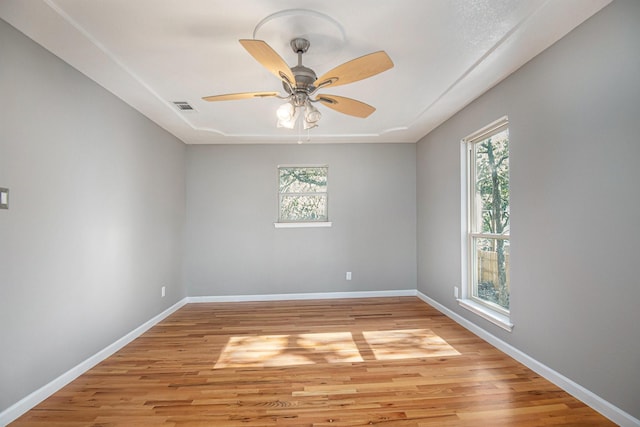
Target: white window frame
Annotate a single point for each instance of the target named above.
(487, 310)
(301, 224)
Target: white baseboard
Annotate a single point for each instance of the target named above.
(610, 411)
(19, 408)
(305, 296)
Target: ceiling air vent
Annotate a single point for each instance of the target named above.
(183, 106)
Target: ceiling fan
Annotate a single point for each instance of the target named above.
(301, 83)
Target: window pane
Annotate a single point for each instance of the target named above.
(303, 193)
(491, 196)
(491, 272)
(303, 207)
(303, 180)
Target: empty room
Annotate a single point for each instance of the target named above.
(296, 213)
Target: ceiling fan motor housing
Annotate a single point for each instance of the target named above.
(304, 79)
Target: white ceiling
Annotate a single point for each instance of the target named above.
(153, 52)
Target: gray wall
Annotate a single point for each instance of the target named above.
(95, 222)
(98, 206)
(232, 247)
(574, 116)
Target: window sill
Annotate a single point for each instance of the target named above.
(301, 224)
(494, 317)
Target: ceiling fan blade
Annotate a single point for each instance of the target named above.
(347, 105)
(356, 69)
(265, 55)
(234, 96)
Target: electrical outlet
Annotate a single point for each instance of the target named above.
(163, 291)
(348, 277)
(456, 292)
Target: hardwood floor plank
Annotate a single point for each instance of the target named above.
(378, 361)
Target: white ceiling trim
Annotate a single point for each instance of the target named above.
(539, 24)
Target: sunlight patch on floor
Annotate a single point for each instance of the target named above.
(285, 350)
(407, 344)
(336, 347)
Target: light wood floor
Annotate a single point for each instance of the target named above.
(351, 362)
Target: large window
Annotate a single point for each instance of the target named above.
(488, 217)
(303, 194)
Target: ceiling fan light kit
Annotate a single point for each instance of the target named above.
(300, 83)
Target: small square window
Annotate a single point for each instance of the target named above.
(302, 194)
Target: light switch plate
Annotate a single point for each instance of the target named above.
(4, 198)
